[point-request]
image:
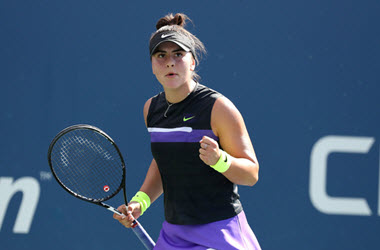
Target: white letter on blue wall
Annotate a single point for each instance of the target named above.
(30, 189)
(318, 175)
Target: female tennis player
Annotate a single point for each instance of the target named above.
(201, 151)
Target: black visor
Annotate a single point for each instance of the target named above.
(170, 36)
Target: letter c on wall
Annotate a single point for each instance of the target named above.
(318, 175)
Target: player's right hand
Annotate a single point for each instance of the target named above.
(129, 214)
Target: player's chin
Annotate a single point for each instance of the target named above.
(172, 83)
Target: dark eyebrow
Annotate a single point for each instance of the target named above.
(159, 51)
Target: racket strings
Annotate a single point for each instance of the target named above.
(88, 164)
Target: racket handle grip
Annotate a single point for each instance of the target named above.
(137, 229)
(143, 235)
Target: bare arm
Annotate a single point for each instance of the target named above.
(228, 124)
(152, 186)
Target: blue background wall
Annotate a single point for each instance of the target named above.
(297, 70)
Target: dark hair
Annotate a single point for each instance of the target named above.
(179, 19)
(177, 23)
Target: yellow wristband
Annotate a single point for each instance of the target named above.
(143, 199)
(223, 163)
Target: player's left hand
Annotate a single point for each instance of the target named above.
(209, 151)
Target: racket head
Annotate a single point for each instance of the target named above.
(87, 163)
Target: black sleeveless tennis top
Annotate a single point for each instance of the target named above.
(194, 193)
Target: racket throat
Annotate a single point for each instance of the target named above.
(114, 210)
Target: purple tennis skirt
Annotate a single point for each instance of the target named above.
(233, 233)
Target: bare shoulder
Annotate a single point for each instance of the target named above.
(226, 116)
(228, 124)
(146, 109)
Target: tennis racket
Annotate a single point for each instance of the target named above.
(87, 163)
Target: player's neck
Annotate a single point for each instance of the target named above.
(175, 95)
